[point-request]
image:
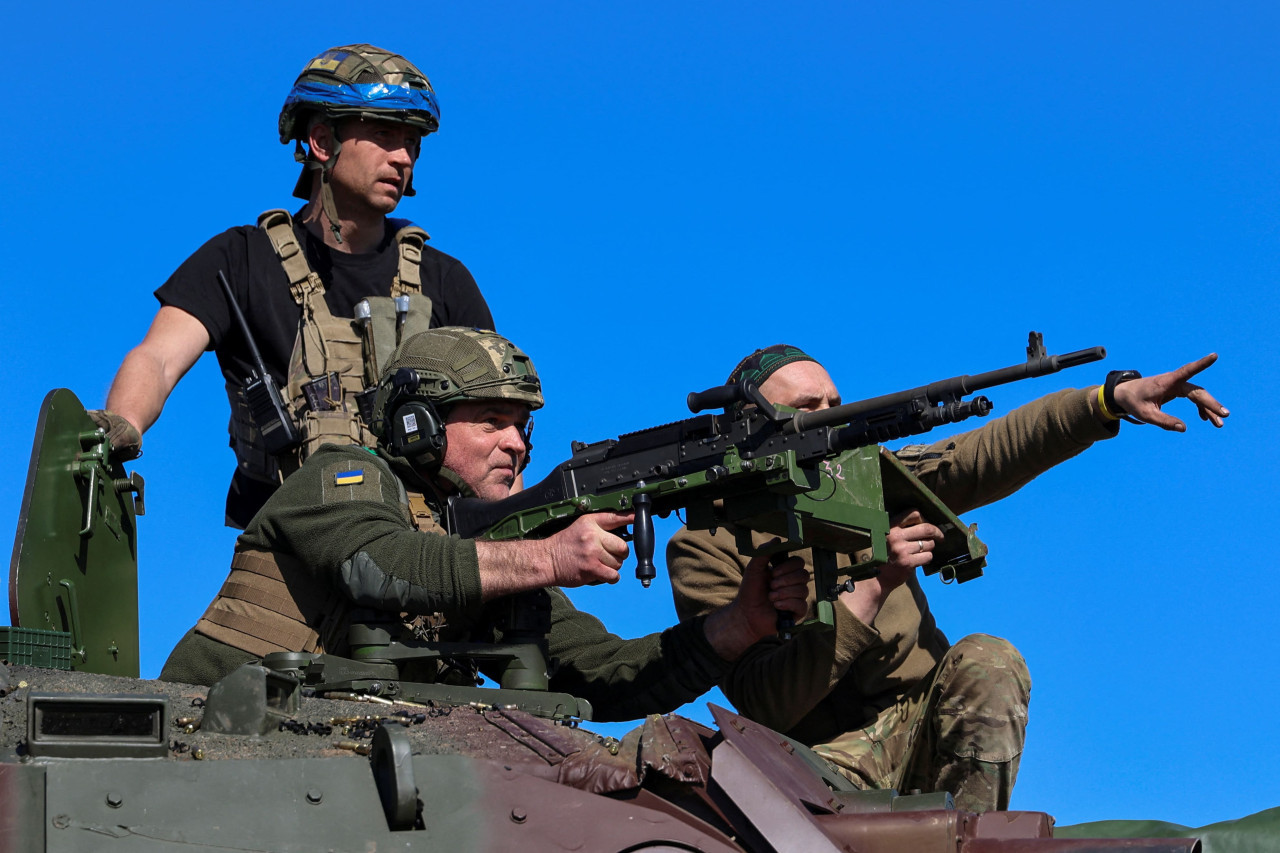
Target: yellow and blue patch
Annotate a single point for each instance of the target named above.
(349, 478)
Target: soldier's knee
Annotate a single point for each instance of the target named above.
(983, 701)
(990, 665)
(994, 653)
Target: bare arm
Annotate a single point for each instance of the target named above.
(585, 552)
(152, 368)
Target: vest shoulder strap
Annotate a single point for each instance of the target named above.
(410, 239)
(303, 281)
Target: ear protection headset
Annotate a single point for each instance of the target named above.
(414, 428)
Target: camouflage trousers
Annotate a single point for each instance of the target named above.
(960, 730)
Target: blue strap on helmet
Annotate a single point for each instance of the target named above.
(374, 96)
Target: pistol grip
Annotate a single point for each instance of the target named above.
(786, 622)
(642, 538)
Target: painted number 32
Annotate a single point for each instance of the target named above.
(836, 470)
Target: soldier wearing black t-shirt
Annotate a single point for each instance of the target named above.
(362, 113)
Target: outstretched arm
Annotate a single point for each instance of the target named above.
(1143, 398)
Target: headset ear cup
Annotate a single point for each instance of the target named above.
(417, 433)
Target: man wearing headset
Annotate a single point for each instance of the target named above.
(361, 527)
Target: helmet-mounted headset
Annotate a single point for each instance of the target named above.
(432, 371)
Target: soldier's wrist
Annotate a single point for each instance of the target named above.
(1111, 409)
(727, 633)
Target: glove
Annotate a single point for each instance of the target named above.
(126, 441)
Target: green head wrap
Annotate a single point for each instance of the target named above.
(763, 363)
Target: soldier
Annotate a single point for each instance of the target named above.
(884, 697)
(362, 113)
(363, 528)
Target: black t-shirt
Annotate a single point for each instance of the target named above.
(261, 288)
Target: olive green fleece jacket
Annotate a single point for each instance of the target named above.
(361, 541)
(819, 685)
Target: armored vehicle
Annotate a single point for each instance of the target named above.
(315, 753)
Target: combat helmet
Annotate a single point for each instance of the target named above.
(355, 80)
(435, 369)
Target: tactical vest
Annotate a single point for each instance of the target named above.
(271, 602)
(334, 359)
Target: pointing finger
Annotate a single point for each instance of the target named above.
(1188, 370)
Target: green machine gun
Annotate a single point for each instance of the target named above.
(812, 479)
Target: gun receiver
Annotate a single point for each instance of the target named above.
(812, 479)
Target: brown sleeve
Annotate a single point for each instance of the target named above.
(984, 465)
(776, 683)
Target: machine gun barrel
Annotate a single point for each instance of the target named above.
(951, 390)
(1041, 365)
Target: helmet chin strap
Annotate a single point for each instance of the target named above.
(443, 475)
(326, 202)
(324, 168)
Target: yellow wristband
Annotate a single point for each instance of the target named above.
(1102, 406)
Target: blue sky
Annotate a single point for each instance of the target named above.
(646, 192)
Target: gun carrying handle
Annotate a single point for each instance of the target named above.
(713, 398)
(642, 537)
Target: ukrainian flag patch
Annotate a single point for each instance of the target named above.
(349, 478)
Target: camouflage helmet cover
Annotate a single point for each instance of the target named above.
(455, 364)
(360, 80)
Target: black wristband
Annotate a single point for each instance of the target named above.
(1114, 378)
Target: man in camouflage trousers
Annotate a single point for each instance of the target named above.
(961, 730)
(884, 698)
